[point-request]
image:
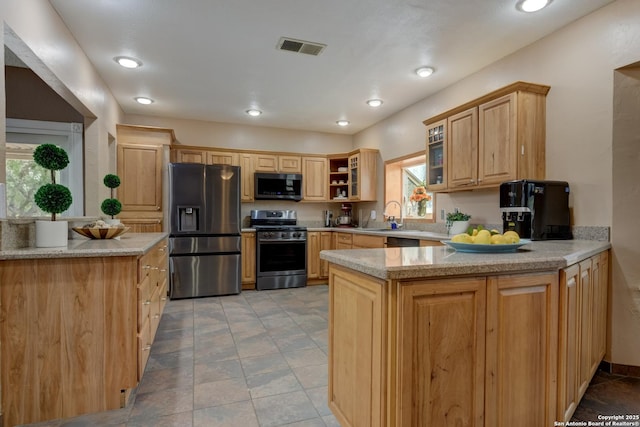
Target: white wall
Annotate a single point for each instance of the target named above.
(578, 62)
(35, 33)
(228, 135)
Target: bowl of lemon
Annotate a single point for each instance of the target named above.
(480, 240)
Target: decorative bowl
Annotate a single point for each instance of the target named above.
(479, 248)
(101, 233)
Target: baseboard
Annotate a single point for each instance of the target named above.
(618, 369)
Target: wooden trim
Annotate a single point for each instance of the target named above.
(163, 136)
(514, 87)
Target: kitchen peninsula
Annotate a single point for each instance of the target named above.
(430, 336)
(77, 323)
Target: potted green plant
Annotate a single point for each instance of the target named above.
(457, 222)
(52, 198)
(111, 206)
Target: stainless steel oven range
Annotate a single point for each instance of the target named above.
(281, 249)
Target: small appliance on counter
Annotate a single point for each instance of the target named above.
(536, 210)
(327, 217)
(345, 219)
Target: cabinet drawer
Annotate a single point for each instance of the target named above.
(154, 313)
(144, 301)
(344, 238)
(163, 296)
(365, 241)
(144, 347)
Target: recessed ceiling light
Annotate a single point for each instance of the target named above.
(424, 71)
(253, 112)
(374, 102)
(532, 5)
(128, 62)
(343, 122)
(143, 100)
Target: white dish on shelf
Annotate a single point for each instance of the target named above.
(342, 169)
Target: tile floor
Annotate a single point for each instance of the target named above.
(254, 359)
(259, 359)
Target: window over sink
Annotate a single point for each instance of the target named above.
(405, 179)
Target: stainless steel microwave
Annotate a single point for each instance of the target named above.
(278, 186)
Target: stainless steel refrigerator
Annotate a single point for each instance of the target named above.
(204, 239)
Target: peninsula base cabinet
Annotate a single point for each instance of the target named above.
(464, 351)
(582, 333)
(71, 332)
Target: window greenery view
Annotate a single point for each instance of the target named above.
(405, 183)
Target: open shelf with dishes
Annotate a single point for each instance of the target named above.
(339, 178)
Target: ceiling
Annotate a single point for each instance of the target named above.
(214, 59)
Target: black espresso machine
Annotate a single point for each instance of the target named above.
(536, 210)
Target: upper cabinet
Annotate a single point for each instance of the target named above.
(142, 153)
(495, 138)
(436, 155)
(336, 177)
(362, 175)
(314, 178)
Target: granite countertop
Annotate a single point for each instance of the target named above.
(410, 234)
(130, 244)
(433, 261)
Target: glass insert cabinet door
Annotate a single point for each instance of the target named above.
(436, 156)
(354, 175)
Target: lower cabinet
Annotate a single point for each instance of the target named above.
(152, 297)
(365, 241)
(342, 240)
(75, 333)
(317, 241)
(248, 253)
(492, 350)
(582, 332)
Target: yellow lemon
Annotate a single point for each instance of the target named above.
(498, 239)
(461, 238)
(475, 232)
(483, 237)
(511, 236)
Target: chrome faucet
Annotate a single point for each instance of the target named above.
(399, 207)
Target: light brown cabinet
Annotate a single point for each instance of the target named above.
(70, 331)
(495, 138)
(443, 350)
(362, 175)
(317, 241)
(342, 240)
(582, 333)
(187, 155)
(223, 158)
(438, 319)
(141, 162)
(264, 162)
(521, 368)
(152, 297)
(367, 241)
(248, 254)
(314, 179)
(246, 172)
(437, 155)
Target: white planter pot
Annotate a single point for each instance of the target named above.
(458, 227)
(114, 221)
(52, 234)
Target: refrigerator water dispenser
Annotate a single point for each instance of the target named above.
(188, 218)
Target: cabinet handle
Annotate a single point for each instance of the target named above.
(146, 267)
(147, 302)
(164, 270)
(155, 268)
(157, 316)
(163, 299)
(147, 347)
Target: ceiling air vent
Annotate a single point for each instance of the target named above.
(300, 46)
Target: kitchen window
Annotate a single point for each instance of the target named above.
(405, 183)
(24, 177)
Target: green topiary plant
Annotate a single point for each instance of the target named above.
(52, 198)
(112, 206)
